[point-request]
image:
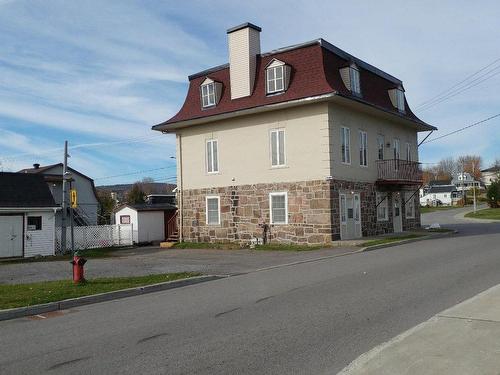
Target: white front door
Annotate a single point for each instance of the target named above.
(350, 216)
(396, 213)
(11, 236)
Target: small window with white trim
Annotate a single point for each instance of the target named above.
(124, 219)
(345, 136)
(408, 151)
(354, 78)
(278, 147)
(278, 203)
(343, 209)
(208, 94)
(212, 150)
(380, 147)
(213, 210)
(34, 223)
(410, 205)
(382, 206)
(400, 100)
(363, 149)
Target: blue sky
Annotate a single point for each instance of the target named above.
(100, 73)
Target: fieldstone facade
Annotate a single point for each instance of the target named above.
(313, 212)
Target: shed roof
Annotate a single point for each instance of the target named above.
(24, 190)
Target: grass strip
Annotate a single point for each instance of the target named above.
(487, 213)
(386, 240)
(51, 291)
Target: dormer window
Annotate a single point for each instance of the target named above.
(397, 96)
(354, 78)
(210, 91)
(277, 77)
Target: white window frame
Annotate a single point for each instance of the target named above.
(363, 148)
(345, 145)
(343, 209)
(275, 80)
(210, 165)
(355, 81)
(356, 206)
(396, 151)
(382, 200)
(408, 151)
(218, 209)
(380, 146)
(271, 219)
(409, 202)
(209, 96)
(280, 163)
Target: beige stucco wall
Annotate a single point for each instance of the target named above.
(244, 148)
(357, 120)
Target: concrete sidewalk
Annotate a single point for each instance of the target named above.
(461, 340)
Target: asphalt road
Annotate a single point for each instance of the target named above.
(309, 318)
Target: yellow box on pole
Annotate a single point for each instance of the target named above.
(74, 198)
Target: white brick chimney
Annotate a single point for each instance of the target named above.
(244, 46)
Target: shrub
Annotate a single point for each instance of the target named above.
(493, 194)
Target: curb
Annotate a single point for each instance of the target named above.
(410, 240)
(20, 312)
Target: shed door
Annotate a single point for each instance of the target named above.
(11, 236)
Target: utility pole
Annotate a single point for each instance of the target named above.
(64, 199)
(474, 183)
(463, 187)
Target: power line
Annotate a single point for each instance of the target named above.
(136, 172)
(462, 129)
(457, 84)
(471, 84)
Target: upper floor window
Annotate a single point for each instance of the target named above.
(345, 136)
(396, 148)
(210, 92)
(408, 151)
(400, 100)
(354, 78)
(363, 149)
(277, 77)
(380, 147)
(212, 156)
(277, 147)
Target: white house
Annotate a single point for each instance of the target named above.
(27, 216)
(155, 222)
(490, 175)
(465, 181)
(447, 195)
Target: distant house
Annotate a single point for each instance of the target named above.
(490, 175)
(447, 195)
(151, 222)
(88, 204)
(27, 216)
(465, 181)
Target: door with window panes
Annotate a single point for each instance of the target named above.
(350, 216)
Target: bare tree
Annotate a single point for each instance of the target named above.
(471, 164)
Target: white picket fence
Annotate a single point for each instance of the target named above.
(96, 236)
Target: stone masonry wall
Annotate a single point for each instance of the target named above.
(313, 212)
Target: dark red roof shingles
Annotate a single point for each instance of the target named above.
(314, 72)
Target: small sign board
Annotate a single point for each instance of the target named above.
(74, 198)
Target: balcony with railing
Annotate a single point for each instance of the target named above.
(398, 172)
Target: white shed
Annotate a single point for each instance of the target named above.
(150, 222)
(27, 216)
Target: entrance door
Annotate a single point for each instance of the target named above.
(11, 236)
(396, 213)
(350, 216)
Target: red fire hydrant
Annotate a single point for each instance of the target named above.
(78, 263)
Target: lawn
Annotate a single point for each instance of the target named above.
(386, 240)
(488, 213)
(234, 246)
(425, 209)
(36, 293)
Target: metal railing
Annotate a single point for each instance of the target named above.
(399, 171)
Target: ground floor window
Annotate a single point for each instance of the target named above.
(382, 207)
(34, 223)
(278, 203)
(343, 209)
(124, 219)
(410, 205)
(213, 210)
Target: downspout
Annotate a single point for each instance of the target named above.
(180, 189)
